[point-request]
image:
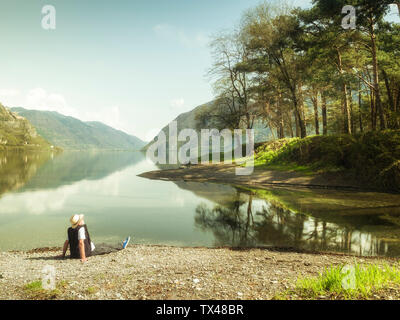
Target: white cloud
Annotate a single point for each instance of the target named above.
(40, 99)
(188, 40)
(177, 103)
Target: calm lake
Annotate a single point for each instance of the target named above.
(39, 192)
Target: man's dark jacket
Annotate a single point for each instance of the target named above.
(74, 242)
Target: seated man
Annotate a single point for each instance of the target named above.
(79, 241)
(80, 244)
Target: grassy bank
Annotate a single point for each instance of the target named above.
(373, 157)
(348, 282)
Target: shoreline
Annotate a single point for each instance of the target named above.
(278, 249)
(260, 178)
(166, 272)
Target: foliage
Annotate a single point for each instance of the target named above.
(34, 290)
(303, 71)
(368, 280)
(372, 157)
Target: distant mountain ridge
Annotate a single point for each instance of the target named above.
(73, 134)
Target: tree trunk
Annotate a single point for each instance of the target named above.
(302, 125)
(324, 116)
(351, 112)
(373, 109)
(353, 129)
(396, 108)
(281, 132)
(378, 100)
(316, 117)
(346, 108)
(300, 111)
(347, 114)
(359, 106)
(298, 114)
(290, 126)
(397, 104)
(388, 90)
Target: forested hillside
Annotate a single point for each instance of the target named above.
(71, 133)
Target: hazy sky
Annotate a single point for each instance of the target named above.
(134, 65)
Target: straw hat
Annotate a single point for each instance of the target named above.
(76, 219)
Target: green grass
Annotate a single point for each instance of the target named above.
(363, 283)
(311, 154)
(34, 286)
(372, 158)
(34, 290)
(306, 170)
(91, 290)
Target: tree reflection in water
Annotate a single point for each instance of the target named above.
(246, 221)
(230, 225)
(17, 168)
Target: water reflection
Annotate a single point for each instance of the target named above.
(72, 167)
(40, 191)
(17, 168)
(248, 220)
(115, 201)
(48, 170)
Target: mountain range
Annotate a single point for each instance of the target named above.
(73, 134)
(25, 127)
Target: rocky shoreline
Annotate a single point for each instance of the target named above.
(260, 178)
(162, 272)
